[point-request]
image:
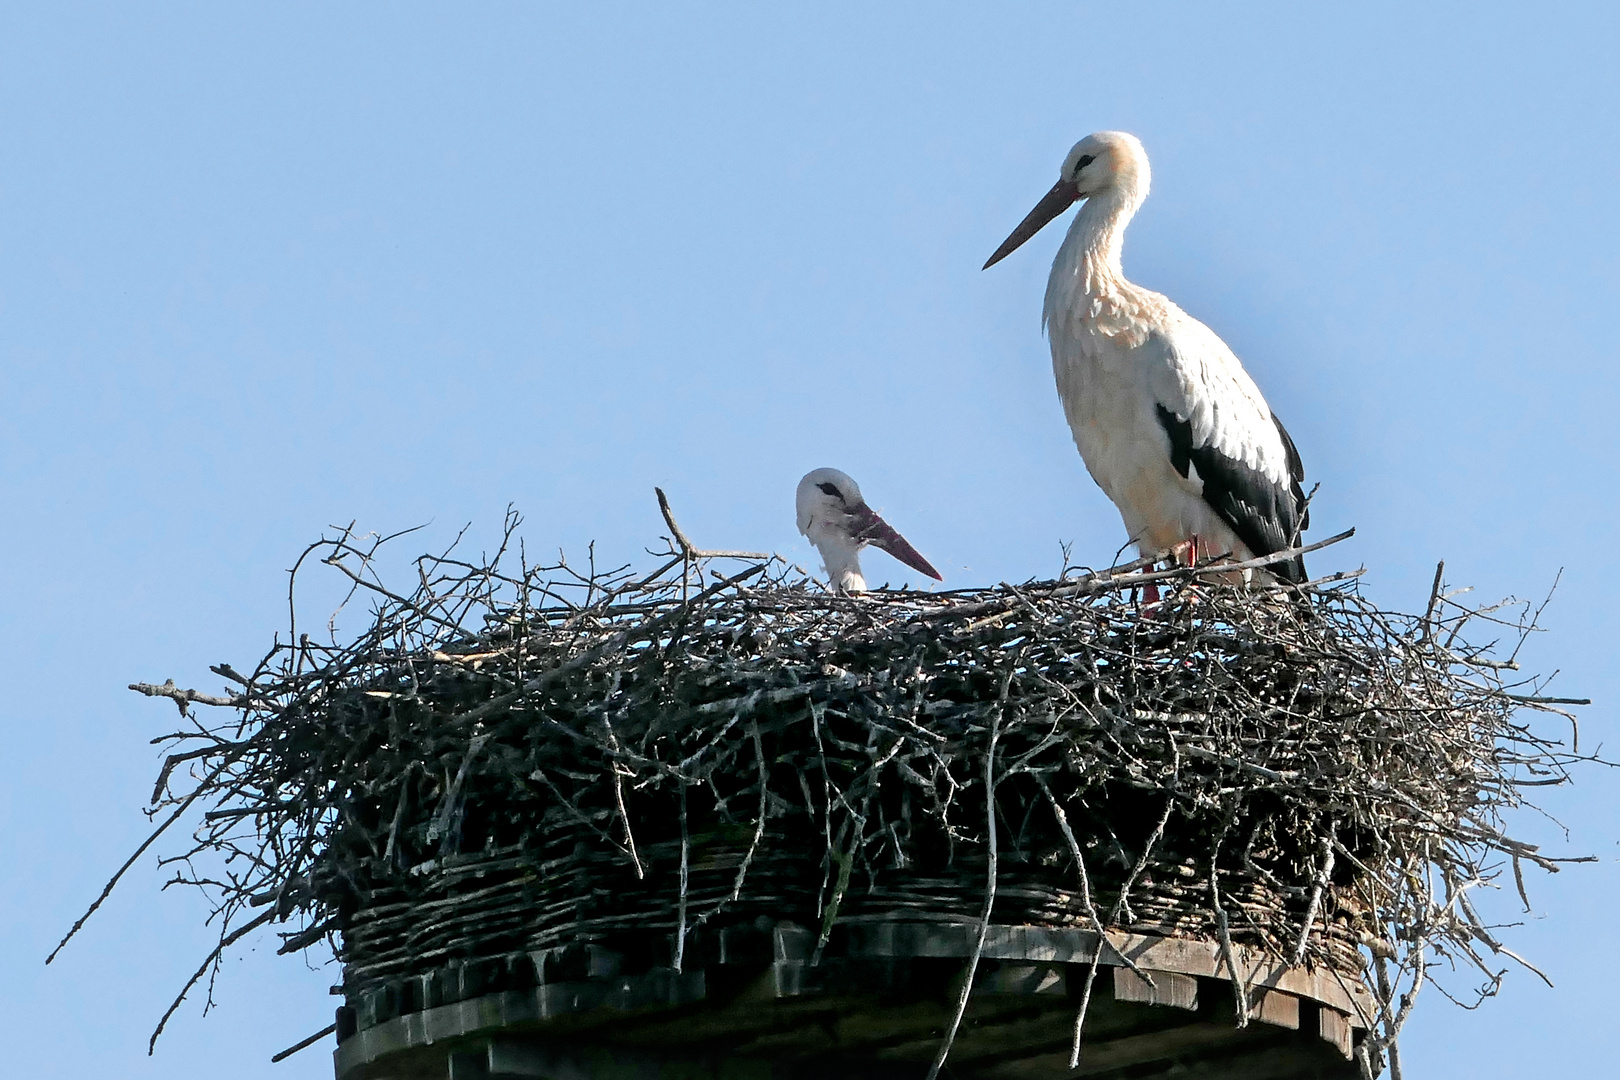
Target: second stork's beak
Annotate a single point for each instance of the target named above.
(871, 528)
(1054, 202)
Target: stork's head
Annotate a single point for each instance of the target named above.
(1106, 163)
(835, 518)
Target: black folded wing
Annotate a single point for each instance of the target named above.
(1267, 513)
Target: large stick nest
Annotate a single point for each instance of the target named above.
(509, 758)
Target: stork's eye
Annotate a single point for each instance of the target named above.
(1085, 159)
(832, 490)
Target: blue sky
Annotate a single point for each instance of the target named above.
(266, 271)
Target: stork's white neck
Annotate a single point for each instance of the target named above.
(843, 563)
(1088, 263)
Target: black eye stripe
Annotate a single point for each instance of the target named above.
(1085, 159)
(832, 490)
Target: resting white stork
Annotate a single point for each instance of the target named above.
(834, 517)
(1169, 424)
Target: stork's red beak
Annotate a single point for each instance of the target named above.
(868, 526)
(1054, 202)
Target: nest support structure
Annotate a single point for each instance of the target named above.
(513, 767)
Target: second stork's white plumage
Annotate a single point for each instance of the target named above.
(1169, 424)
(835, 518)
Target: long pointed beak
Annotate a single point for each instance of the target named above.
(880, 534)
(1054, 202)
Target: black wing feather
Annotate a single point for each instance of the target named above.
(1296, 471)
(1265, 515)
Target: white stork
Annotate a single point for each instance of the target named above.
(1169, 424)
(834, 517)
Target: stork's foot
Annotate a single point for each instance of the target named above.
(1188, 551)
(1150, 600)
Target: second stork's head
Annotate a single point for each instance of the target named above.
(835, 518)
(1108, 163)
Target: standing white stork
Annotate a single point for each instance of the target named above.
(1169, 424)
(834, 517)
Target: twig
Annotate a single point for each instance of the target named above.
(106, 890)
(1120, 904)
(202, 969)
(690, 550)
(989, 879)
(1323, 876)
(1434, 601)
(304, 1043)
(185, 697)
(1240, 985)
(760, 815)
(680, 930)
